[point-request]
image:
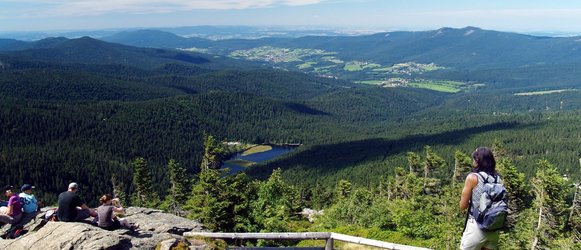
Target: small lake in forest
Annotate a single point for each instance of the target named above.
(241, 160)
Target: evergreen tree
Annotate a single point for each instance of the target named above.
(277, 204)
(414, 162)
(207, 203)
(514, 182)
(143, 183)
(213, 153)
(462, 166)
(433, 164)
(404, 185)
(549, 204)
(498, 150)
(450, 221)
(574, 219)
(343, 189)
(243, 192)
(178, 192)
(351, 210)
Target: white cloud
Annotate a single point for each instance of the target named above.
(98, 7)
(512, 13)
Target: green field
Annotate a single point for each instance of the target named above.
(408, 68)
(306, 65)
(359, 66)
(372, 82)
(324, 69)
(442, 86)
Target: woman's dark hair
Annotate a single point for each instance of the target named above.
(484, 160)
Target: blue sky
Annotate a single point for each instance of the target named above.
(504, 15)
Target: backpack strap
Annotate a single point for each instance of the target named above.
(468, 212)
(484, 178)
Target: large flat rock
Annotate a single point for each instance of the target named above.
(155, 227)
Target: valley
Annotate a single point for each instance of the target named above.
(369, 112)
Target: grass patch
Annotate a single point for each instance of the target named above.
(372, 82)
(351, 66)
(371, 66)
(359, 66)
(257, 149)
(546, 92)
(306, 65)
(441, 86)
(384, 69)
(240, 162)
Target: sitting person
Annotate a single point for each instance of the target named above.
(12, 213)
(106, 218)
(71, 207)
(29, 203)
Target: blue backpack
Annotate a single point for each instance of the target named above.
(491, 210)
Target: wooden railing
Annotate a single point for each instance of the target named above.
(328, 237)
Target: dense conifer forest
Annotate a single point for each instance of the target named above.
(383, 163)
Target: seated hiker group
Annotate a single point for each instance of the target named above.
(70, 208)
(18, 205)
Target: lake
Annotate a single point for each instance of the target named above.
(239, 162)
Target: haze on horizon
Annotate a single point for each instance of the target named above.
(515, 15)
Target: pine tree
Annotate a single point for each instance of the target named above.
(207, 203)
(143, 183)
(414, 162)
(213, 153)
(343, 189)
(178, 193)
(462, 166)
(432, 164)
(574, 219)
(404, 185)
(549, 204)
(277, 204)
(521, 216)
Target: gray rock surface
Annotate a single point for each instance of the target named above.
(155, 227)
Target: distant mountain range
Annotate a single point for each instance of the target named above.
(468, 47)
(205, 31)
(497, 59)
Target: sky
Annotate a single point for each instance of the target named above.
(502, 15)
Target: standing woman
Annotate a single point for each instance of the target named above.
(483, 166)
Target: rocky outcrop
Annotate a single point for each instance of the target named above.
(155, 228)
(311, 214)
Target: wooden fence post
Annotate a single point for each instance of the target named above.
(329, 244)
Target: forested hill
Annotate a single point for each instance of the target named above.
(87, 50)
(84, 115)
(469, 47)
(100, 114)
(156, 39)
